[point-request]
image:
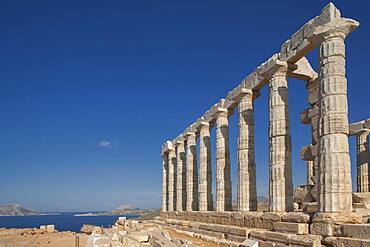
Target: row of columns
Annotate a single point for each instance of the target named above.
(330, 166)
(182, 158)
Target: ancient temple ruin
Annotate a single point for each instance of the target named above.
(333, 213)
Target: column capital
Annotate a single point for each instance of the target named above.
(363, 132)
(204, 123)
(274, 68)
(180, 144)
(221, 112)
(166, 147)
(190, 134)
(337, 28)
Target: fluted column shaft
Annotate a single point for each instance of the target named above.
(281, 185)
(335, 186)
(247, 192)
(172, 180)
(205, 169)
(223, 172)
(164, 182)
(363, 162)
(191, 173)
(310, 172)
(181, 177)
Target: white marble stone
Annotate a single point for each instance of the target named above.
(192, 203)
(172, 179)
(181, 177)
(164, 182)
(280, 179)
(363, 160)
(223, 169)
(247, 192)
(205, 169)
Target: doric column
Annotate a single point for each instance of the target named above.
(363, 162)
(181, 179)
(164, 182)
(281, 186)
(247, 192)
(310, 172)
(171, 179)
(223, 172)
(191, 173)
(205, 169)
(335, 185)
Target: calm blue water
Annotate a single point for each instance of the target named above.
(62, 222)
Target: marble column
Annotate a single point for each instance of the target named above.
(280, 152)
(205, 169)
(310, 172)
(335, 184)
(223, 169)
(181, 179)
(164, 182)
(363, 162)
(247, 192)
(191, 173)
(172, 179)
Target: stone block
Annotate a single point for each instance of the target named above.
(139, 237)
(266, 244)
(50, 228)
(249, 243)
(277, 237)
(297, 217)
(224, 229)
(43, 228)
(356, 231)
(253, 219)
(235, 238)
(257, 234)
(322, 228)
(305, 240)
(289, 227)
(347, 242)
(363, 198)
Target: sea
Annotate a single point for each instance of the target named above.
(62, 221)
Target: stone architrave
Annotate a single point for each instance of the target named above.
(334, 179)
(172, 179)
(280, 151)
(181, 177)
(363, 162)
(247, 191)
(164, 182)
(205, 169)
(223, 169)
(191, 173)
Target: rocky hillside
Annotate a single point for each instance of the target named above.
(15, 209)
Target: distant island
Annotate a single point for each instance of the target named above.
(126, 209)
(17, 210)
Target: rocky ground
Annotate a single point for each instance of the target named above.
(125, 233)
(38, 238)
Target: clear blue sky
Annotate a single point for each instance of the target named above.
(91, 89)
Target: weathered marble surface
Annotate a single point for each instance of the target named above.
(205, 169)
(247, 191)
(191, 173)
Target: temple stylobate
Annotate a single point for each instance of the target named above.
(187, 185)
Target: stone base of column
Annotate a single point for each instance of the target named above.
(326, 224)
